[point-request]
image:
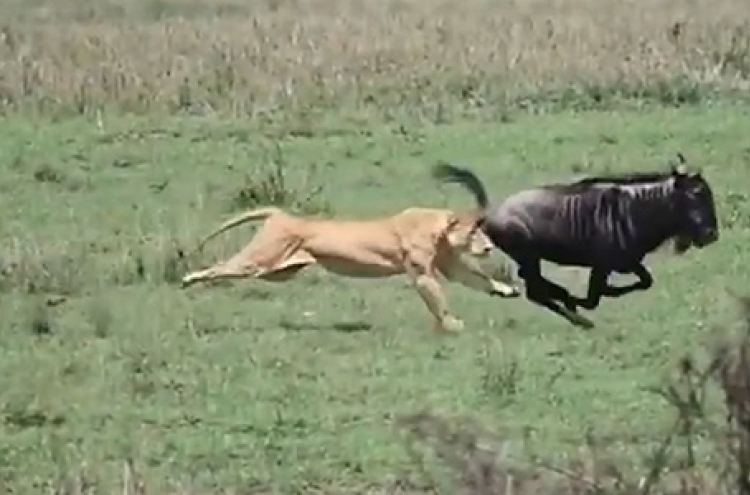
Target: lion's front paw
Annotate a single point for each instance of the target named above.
(506, 290)
(452, 324)
(186, 282)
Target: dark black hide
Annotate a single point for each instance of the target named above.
(607, 224)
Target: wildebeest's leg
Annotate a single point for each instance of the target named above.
(599, 287)
(542, 291)
(560, 293)
(553, 290)
(645, 281)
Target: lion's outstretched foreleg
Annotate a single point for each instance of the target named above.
(419, 265)
(467, 272)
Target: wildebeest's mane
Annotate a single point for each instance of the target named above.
(627, 178)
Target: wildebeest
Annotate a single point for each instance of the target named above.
(605, 223)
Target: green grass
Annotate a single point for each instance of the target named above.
(297, 386)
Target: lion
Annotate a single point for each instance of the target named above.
(423, 243)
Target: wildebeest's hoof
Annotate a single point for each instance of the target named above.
(581, 321)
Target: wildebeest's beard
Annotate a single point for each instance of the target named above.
(682, 244)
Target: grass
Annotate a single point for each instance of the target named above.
(131, 129)
(298, 387)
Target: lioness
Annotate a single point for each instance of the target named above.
(419, 242)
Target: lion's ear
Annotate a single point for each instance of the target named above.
(448, 224)
(479, 220)
(452, 221)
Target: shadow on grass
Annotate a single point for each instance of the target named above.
(343, 327)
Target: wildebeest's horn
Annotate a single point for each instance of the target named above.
(681, 167)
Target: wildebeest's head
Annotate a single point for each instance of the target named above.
(464, 233)
(695, 201)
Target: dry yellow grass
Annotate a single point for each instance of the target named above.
(250, 58)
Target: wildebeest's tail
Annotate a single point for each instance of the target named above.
(446, 172)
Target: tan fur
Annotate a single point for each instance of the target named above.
(423, 243)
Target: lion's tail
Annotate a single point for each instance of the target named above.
(244, 217)
(446, 172)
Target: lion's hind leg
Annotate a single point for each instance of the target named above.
(274, 254)
(289, 268)
(219, 271)
(242, 267)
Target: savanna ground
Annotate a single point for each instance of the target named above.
(131, 129)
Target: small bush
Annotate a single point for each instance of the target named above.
(270, 187)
